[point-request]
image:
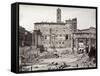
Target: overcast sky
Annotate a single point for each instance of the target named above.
(29, 14)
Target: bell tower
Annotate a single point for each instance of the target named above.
(58, 15)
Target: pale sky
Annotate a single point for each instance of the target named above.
(29, 14)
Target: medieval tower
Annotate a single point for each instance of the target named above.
(58, 15)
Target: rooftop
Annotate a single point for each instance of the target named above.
(50, 23)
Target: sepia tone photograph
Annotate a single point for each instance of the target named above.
(56, 38)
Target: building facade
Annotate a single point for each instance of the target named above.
(63, 35)
(58, 34)
(87, 37)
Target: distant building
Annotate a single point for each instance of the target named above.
(25, 37)
(62, 35)
(57, 34)
(85, 36)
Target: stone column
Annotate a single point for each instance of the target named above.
(76, 44)
(89, 44)
(35, 39)
(72, 43)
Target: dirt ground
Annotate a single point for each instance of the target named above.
(65, 61)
